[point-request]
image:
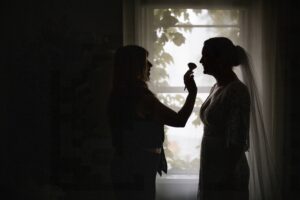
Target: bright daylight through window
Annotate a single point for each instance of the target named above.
(178, 36)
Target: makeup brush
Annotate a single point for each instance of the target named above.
(192, 66)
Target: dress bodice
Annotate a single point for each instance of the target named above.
(225, 113)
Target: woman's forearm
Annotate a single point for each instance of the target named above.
(186, 110)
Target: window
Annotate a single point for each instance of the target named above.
(174, 37)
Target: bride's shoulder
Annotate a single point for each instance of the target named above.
(238, 88)
(237, 84)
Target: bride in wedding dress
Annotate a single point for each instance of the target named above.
(224, 171)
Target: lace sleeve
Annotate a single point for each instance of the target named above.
(238, 117)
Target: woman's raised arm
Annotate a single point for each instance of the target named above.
(169, 117)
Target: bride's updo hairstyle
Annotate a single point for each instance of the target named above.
(223, 49)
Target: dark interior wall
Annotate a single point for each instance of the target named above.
(291, 26)
(56, 73)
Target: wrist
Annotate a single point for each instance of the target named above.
(193, 93)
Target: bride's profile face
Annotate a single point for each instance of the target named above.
(208, 61)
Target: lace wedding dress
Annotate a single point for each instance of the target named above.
(224, 171)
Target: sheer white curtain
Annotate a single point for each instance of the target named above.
(260, 36)
(266, 136)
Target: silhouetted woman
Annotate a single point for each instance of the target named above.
(224, 171)
(137, 121)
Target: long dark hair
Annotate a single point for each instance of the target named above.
(128, 86)
(129, 65)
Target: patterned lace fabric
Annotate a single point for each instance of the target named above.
(225, 113)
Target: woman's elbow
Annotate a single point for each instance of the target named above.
(177, 122)
(181, 123)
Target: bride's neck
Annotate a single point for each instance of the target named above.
(225, 78)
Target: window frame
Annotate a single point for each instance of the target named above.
(130, 35)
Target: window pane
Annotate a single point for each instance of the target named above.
(182, 145)
(177, 38)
